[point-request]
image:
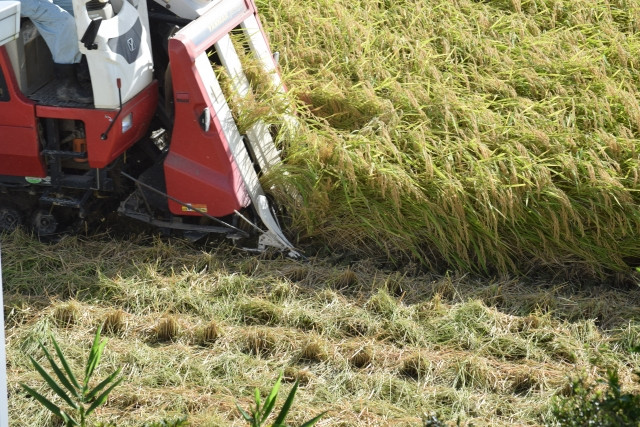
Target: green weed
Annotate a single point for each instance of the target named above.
(82, 399)
(261, 411)
(586, 405)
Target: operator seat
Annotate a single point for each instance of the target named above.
(31, 58)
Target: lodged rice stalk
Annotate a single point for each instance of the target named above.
(493, 136)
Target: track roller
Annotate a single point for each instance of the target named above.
(44, 223)
(10, 218)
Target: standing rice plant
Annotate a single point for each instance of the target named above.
(485, 136)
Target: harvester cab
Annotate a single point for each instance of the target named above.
(115, 38)
(159, 143)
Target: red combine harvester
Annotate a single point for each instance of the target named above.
(159, 140)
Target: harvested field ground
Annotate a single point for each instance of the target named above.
(196, 329)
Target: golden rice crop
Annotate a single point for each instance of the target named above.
(493, 136)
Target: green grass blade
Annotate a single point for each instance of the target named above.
(257, 397)
(94, 349)
(313, 420)
(287, 406)
(270, 402)
(68, 421)
(63, 379)
(65, 365)
(43, 400)
(52, 384)
(102, 385)
(94, 356)
(103, 397)
(244, 414)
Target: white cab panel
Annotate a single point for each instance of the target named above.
(122, 51)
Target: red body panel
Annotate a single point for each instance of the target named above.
(200, 168)
(102, 152)
(19, 146)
